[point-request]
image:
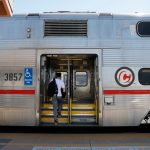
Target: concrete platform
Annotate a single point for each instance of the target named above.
(48, 141)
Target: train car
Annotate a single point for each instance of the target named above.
(104, 60)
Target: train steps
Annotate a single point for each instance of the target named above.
(76, 115)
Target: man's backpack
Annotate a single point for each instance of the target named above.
(52, 88)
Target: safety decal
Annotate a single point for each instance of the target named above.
(28, 76)
(124, 76)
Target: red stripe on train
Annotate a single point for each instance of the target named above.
(111, 92)
(17, 91)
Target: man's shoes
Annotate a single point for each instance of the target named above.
(56, 122)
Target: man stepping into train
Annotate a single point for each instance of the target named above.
(57, 98)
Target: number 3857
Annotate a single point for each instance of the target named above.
(13, 76)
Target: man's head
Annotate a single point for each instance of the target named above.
(58, 75)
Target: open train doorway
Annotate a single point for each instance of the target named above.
(80, 75)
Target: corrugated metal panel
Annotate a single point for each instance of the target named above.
(65, 28)
(127, 110)
(123, 117)
(124, 57)
(132, 101)
(17, 101)
(17, 117)
(17, 58)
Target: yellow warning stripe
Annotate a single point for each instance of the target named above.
(60, 120)
(83, 106)
(50, 112)
(50, 106)
(74, 106)
(83, 113)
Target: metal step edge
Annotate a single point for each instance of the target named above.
(66, 112)
(66, 109)
(76, 115)
(51, 124)
(51, 115)
(65, 116)
(73, 105)
(46, 108)
(73, 115)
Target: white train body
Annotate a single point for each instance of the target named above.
(111, 45)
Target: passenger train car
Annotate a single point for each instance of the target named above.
(104, 60)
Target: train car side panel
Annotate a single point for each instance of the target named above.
(129, 102)
(17, 87)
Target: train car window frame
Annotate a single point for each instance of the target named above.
(138, 28)
(81, 85)
(143, 78)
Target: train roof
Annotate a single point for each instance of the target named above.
(80, 15)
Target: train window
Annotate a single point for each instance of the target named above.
(81, 78)
(143, 29)
(144, 76)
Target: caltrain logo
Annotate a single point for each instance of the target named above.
(124, 76)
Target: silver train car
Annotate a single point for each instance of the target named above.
(104, 60)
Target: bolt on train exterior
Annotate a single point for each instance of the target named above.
(104, 60)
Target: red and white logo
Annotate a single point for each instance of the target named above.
(124, 76)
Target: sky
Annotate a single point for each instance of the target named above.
(109, 6)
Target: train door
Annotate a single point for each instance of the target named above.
(82, 102)
(80, 75)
